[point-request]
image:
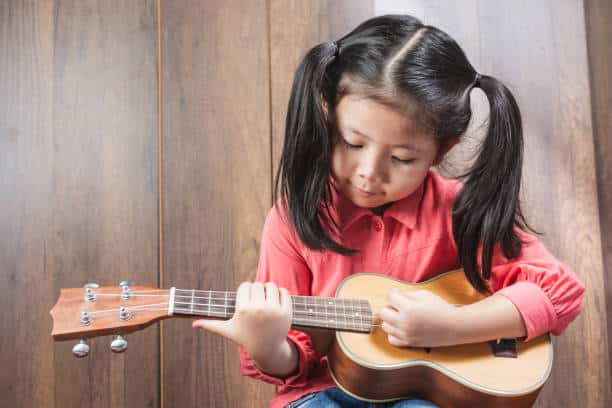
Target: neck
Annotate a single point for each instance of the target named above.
(308, 311)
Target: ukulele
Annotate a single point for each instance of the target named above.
(500, 373)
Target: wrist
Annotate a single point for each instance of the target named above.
(279, 361)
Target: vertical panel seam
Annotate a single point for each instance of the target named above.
(160, 248)
(269, 41)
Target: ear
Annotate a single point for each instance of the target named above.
(444, 150)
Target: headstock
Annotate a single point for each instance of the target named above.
(93, 311)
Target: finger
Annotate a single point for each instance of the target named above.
(243, 294)
(286, 301)
(411, 294)
(390, 329)
(220, 327)
(272, 295)
(396, 299)
(258, 294)
(389, 315)
(395, 341)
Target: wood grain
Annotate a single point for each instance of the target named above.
(598, 14)
(78, 140)
(216, 194)
(80, 156)
(103, 225)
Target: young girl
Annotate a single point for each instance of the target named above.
(368, 118)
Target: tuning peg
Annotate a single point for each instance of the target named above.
(119, 345)
(126, 293)
(81, 349)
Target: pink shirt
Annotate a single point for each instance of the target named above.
(412, 241)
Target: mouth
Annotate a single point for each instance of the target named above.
(363, 192)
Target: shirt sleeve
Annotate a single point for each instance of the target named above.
(547, 294)
(281, 261)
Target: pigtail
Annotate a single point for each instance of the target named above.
(304, 167)
(488, 208)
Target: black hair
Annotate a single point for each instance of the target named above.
(420, 70)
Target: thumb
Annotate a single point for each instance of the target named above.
(220, 327)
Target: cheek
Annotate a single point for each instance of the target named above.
(409, 178)
(339, 161)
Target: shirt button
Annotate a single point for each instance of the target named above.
(377, 225)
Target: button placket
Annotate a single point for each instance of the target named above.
(377, 224)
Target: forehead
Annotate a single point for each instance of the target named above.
(380, 123)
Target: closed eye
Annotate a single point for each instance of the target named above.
(408, 161)
(350, 146)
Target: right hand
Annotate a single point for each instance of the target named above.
(261, 320)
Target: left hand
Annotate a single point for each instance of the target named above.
(418, 319)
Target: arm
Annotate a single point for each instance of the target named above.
(494, 317)
(281, 262)
(546, 293)
(533, 294)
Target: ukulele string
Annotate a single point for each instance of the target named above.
(298, 315)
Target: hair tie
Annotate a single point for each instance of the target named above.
(336, 48)
(476, 80)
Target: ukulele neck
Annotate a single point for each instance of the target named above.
(353, 315)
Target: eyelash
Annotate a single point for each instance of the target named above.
(352, 146)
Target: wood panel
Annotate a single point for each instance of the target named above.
(79, 196)
(26, 151)
(598, 14)
(78, 175)
(216, 182)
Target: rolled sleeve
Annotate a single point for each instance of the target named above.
(547, 294)
(306, 355)
(534, 306)
(281, 261)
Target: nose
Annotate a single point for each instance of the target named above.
(370, 168)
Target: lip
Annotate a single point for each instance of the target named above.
(364, 192)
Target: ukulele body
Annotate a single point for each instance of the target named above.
(367, 367)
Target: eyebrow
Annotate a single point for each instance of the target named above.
(408, 146)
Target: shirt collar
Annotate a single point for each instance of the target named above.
(405, 210)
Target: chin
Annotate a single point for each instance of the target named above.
(367, 203)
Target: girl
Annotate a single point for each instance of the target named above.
(368, 117)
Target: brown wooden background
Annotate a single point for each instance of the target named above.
(138, 141)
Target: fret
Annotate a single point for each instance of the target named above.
(209, 301)
(192, 296)
(312, 310)
(323, 305)
(368, 313)
(298, 305)
(225, 305)
(345, 315)
(353, 313)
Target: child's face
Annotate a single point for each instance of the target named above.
(377, 165)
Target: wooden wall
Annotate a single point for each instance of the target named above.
(138, 141)
(599, 31)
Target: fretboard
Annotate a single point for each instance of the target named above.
(308, 311)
